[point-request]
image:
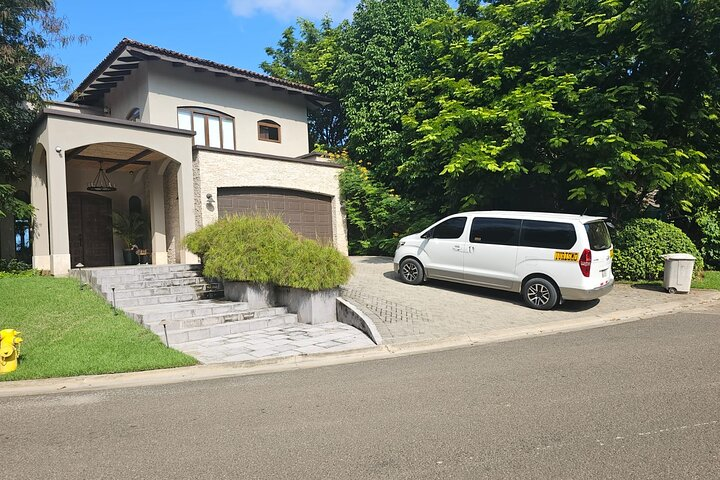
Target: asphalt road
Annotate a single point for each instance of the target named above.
(638, 400)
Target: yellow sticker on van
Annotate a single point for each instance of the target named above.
(569, 256)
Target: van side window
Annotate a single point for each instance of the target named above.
(560, 236)
(450, 228)
(495, 231)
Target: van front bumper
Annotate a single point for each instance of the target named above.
(580, 294)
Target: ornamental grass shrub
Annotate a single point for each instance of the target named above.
(639, 247)
(263, 249)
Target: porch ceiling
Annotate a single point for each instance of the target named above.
(116, 156)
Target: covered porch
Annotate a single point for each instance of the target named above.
(87, 167)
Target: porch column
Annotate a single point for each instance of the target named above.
(39, 200)
(58, 214)
(186, 205)
(156, 202)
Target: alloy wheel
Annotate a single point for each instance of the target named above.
(538, 294)
(410, 271)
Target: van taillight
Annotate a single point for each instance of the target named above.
(585, 262)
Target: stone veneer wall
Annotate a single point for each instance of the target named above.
(198, 199)
(220, 169)
(172, 211)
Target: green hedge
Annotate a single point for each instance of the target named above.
(16, 268)
(264, 250)
(708, 223)
(640, 244)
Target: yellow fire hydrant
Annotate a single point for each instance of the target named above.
(9, 341)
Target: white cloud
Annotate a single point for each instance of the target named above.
(290, 9)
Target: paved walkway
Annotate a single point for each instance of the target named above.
(274, 342)
(405, 313)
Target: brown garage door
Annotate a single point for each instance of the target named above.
(308, 214)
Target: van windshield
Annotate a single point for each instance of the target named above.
(598, 235)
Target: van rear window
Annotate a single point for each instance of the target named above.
(598, 235)
(556, 235)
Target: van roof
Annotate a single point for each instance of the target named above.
(534, 215)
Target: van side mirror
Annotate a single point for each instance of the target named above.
(428, 234)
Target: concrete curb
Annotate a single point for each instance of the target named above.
(271, 365)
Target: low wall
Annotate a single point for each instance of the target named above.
(310, 307)
(256, 295)
(349, 314)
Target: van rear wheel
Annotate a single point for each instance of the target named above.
(540, 294)
(411, 271)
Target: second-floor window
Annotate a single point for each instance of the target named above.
(212, 129)
(269, 131)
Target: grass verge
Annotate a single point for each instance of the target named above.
(708, 280)
(69, 331)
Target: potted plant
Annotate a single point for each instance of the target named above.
(131, 229)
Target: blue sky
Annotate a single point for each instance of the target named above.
(234, 32)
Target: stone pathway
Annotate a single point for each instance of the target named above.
(297, 339)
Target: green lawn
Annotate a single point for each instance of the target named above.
(70, 331)
(708, 280)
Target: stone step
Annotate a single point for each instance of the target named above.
(218, 319)
(121, 293)
(119, 279)
(99, 272)
(124, 303)
(178, 311)
(201, 333)
(173, 282)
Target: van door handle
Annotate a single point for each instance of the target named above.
(456, 248)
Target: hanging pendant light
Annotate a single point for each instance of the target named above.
(101, 183)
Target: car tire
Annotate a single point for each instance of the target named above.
(411, 271)
(540, 294)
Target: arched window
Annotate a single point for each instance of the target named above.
(269, 131)
(212, 128)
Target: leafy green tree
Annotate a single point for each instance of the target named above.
(378, 55)
(311, 59)
(568, 104)
(28, 76)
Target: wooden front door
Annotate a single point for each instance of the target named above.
(90, 226)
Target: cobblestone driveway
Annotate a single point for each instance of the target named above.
(438, 309)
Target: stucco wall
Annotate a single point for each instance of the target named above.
(172, 87)
(130, 93)
(217, 169)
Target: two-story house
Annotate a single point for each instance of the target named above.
(182, 140)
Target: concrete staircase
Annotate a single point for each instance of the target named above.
(179, 300)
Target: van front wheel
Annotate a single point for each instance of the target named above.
(540, 294)
(411, 271)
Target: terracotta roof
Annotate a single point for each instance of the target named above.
(138, 51)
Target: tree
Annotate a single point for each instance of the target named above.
(28, 76)
(378, 55)
(566, 105)
(311, 59)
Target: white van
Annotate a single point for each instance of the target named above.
(547, 257)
